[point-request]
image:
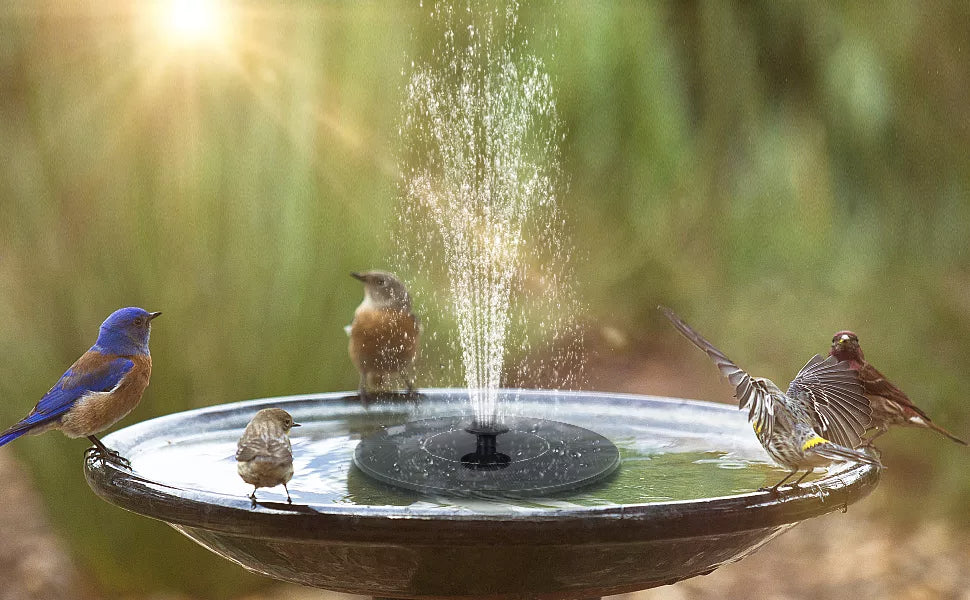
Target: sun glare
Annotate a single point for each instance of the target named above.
(193, 22)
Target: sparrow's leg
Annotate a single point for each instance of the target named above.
(412, 391)
(362, 390)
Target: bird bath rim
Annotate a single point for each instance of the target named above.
(666, 519)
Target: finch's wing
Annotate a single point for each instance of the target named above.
(831, 393)
(93, 372)
(876, 384)
(751, 394)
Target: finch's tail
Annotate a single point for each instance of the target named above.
(842, 454)
(931, 425)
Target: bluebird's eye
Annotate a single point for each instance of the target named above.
(139, 321)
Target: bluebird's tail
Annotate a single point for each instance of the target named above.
(842, 454)
(26, 425)
(13, 433)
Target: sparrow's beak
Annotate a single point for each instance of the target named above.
(153, 315)
(358, 276)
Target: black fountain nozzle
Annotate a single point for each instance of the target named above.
(486, 456)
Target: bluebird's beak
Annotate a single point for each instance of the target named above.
(153, 315)
(358, 276)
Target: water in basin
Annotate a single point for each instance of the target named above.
(658, 463)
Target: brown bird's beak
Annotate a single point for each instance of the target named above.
(358, 276)
(153, 315)
(295, 425)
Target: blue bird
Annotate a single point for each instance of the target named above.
(100, 388)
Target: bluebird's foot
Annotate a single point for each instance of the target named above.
(106, 455)
(109, 456)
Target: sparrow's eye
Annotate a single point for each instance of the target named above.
(381, 281)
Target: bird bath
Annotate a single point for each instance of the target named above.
(683, 500)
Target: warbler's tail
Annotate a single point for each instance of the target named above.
(931, 425)
(842, 454)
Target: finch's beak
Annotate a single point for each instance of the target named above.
(153, 315)
(295, 425)
(358, 276)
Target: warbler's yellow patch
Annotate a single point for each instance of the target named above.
(813, 441)
(756, 426)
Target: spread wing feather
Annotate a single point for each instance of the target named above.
(832, 395)
(751, 393)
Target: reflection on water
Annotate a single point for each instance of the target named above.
(657, 464)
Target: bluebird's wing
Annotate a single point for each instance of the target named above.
(93, 372)
(752, 394)
(831, 393)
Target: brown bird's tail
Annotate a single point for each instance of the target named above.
(931, 425)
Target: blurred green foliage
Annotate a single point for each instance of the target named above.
(775, 170)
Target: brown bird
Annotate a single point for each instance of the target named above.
(264, 457)
(384, 334)
(890, 406)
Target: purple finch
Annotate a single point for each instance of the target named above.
(890, 406)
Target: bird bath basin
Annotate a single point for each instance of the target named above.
(683, 500)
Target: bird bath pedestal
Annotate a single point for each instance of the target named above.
(683, 500)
